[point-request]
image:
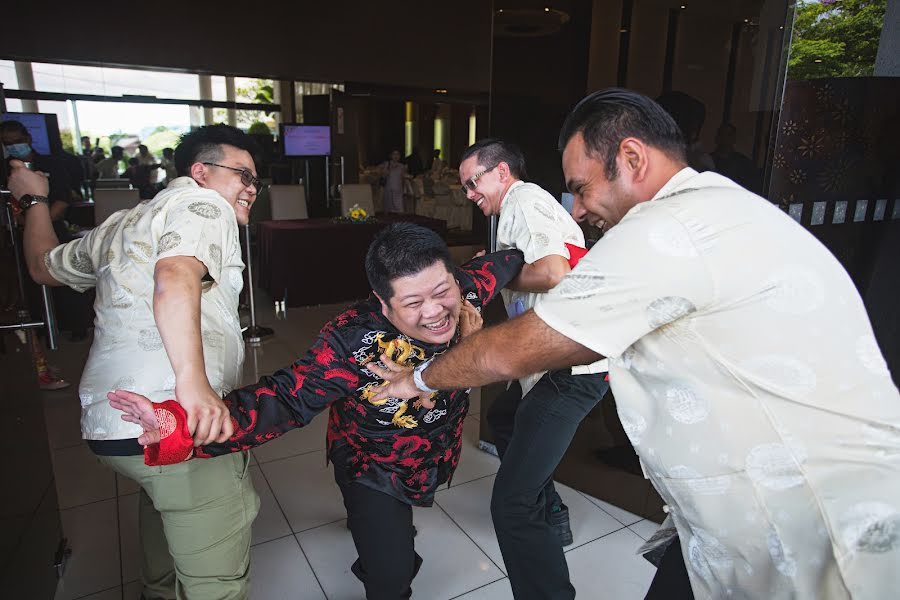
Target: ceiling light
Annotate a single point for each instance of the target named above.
(546, 9)
(683, 6)
(441, 91)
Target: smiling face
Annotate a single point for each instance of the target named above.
(601, 201)
(228, 182)
(490, 187)
(425, 306)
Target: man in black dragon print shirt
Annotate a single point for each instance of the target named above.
(388, 455)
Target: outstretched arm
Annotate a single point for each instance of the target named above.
(285, 400)
(507, 351)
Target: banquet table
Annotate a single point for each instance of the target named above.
(319, 261)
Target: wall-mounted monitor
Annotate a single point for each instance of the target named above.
(306, 140)
(43, 127)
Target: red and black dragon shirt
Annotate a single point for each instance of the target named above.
(394, 446)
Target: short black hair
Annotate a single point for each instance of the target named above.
(117, 151)
(403, 249)
(204, 144)
(607, 117)
(12, 126)
(490, 152)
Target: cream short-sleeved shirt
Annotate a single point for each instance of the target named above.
(531, 220)
(118, 259)
(749, 381)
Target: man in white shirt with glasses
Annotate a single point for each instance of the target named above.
(535, 419)
(168, 274)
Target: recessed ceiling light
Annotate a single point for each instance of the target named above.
(683, 6)
(546, 9)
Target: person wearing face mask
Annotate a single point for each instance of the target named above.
(535, 419)
(388, 456)
(167, 276)
(17, 146)
(71, 310)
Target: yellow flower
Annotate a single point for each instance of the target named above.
(355, 214)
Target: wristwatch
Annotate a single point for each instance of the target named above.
(27, 201)
(417, 377)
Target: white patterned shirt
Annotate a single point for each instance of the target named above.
(531, 220)
(118, 259)
(748, 379)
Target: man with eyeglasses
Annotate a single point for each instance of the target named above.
(535, 420)
(168, 274)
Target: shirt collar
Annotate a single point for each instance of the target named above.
(179, 182)
(509, 191)
(677, 181)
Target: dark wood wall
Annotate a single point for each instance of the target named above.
(403, 42)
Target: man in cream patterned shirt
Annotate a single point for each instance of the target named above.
(168, 274)
(745, 369)
(535, 419)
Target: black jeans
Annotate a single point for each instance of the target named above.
(532, 434)
(382, 531)
(671, 581)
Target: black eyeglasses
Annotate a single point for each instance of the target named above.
(472, 182)
(247, 178)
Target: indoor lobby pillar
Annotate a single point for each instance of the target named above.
(25, 79)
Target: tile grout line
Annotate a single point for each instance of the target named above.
(462, 483)
(291, 528)
(566, 551)
(311, 570)
(466, 533)
(608, 513)
(98, 501)
(98, 592)
(478, 588)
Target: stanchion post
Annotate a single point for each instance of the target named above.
(254, 333)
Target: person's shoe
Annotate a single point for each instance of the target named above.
(46, 381)
(559, 521)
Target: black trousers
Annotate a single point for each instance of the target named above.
(532, 434)
(382, 530)
(671, 581)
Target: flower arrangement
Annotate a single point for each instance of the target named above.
(355, 214)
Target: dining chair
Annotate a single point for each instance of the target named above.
(288, 202)
(108, 201)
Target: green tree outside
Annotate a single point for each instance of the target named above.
(835, 38)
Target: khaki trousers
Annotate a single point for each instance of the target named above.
(194, 520)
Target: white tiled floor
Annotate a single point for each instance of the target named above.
(301, 546)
